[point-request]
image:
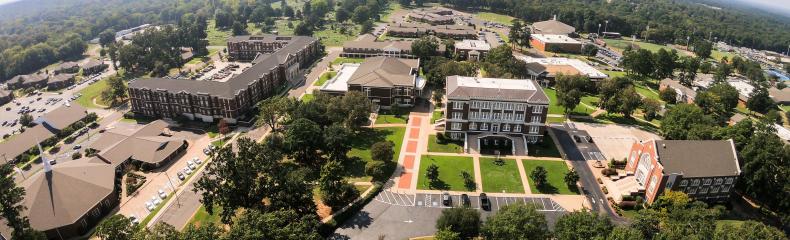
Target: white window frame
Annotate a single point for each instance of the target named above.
(707, 182)
(729, 181)
(517, 128)
(692, 190)
(455, 126)
(653, 183)
(519, 117)
(472, 126)
(684, 183)
(703, 190)
(458, 115)
(534, 129)
(484, 126)
(506, 128)
(535, 119)
(695, 182)
(719, 181)
(537, 109)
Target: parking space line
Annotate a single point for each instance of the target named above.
(401, 198)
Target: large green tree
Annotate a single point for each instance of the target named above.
(276, 225)
(464, 221)
(11, 208)
(582, 225)
(115, 227)
(686, 121)
(516, 221)
(749, 230)
(570, 90)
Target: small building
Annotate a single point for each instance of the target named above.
(67, 67)
(780, 96)
(683, 94)
(385, 80)
(93, 66)
(552, 27)
(35, 80)
(493, 112)
(62, 117)
(433, 16)
(416, 30)
(247, 47)
(706, 170)
(369, 46)
(150, 146)
(555, 43)
(548, 68)
(613, 35)
(745, 89)
(472, 49)
(6, 96)
(60, 81)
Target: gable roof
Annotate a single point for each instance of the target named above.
(67, 193)
(63, 116)
(20, 143)
(522, 90)
(552, 27)
(698, 158)
(145, 144)
(385, 72)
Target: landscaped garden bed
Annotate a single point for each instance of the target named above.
(133, 182)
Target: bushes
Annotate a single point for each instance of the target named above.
(608, 171)
(76, 155)
(329, 227)
(133, 182)
(54, 149)
(376, 169)
(627, 205)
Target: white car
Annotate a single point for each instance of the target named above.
(155, 200)
(198, 161)
(134, 219)
(187, 170)
(162, 194)
(190, 162)
(149, 206)
(191, 166)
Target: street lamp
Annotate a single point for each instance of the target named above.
(688, 39)
(174, 188)
(599, 29)
(606, 27)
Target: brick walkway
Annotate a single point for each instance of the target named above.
(409, 160)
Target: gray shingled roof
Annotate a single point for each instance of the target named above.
(553, 27)
(64, 116)
(698, 158)
(385, 72)
(494, 90)
(261, 65)
(146, 144)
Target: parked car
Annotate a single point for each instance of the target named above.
(77, 146)
(191, 165)
(162, 194)
(465, 200)
(197, 160)
(155, 200)
(149, 205)
(134, 219)
(206, 151)
(485, 203)
(187, 170)
(181, 175)
(446, 200)
(53, 162)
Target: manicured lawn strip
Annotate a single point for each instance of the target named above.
(202, 217)
(620, 119)
(219, 37)
(341, 60)
(450, 168)
(621, 44)
(613, 74)
(718, 55)
(494, 17)
(324, 77)
(556, 175)
(544, 149)
(647, 92)
(308, 97)
(362, 142)
(591, 101)
(91, 92)
(392, 7)
(391, 119)
(503, 178)
(555, 119)
(437, 114)
(331, 37)
(449, 145)
(555, 108)
(785, 108)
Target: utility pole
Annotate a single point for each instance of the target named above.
(178, 202)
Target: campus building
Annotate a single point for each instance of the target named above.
(433, 16)
(67, 67)
(6, 96)
(47, 127)
(369, 46)
(553, 27)
(704, 169)
(493, 111)
(549, 68)
(555, 43)
(416, 30)
(683, 94)
(246, 48)
(230, 98)
(384, 80)
(93, 66)
(60, 81)
(472, 50)
(35, 80)
(150, 147)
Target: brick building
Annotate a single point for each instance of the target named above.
(230, 99)
(492, 110)
(246, 48)
(704, 169)
(384, 80)
(555, 43)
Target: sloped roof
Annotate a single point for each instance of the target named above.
(64, 116)
(552, 27)
(698, 158)
(92, 63)
(29, 78)
(67, 65)
(145, 144)
(61, 78)
(20, 143)
(385, 72)
(522, 90)
(67, 193)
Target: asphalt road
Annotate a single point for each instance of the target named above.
(575, 153)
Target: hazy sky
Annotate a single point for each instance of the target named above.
(776, 5)
(7, 1)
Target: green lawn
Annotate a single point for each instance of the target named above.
(556, 175)
(505, 178)
(494, 17)
(331, 37)
(621, 44)
(341, 60)
(308, 97)
(785, 108)
(202, 217)
(211, 52)
(392, 7)
(555, 108)
(555, 119)
(722, 223)
(282, 26)
(449, 146)
(391, 119)
(91, 92)
(219, 37)
(437, 114)
(647, 92)
(324, 77)
(362, 142)
(544, 149)
(450, 169)
(613, 74)
(718, 55)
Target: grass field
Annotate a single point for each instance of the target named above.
(621, 44)
(544, 149)
(362, 142)
(202, 217)
(613, 74)
(392, 7)
(341, 60)
(308, 97)
(494, 17)
(556, 175)
(505, 178)
(449, 145)
(219, 37)
(555, 119)
(91, 92)
(450, 169)
(324, 77)
(555, 108)
(436, 115)
(331, 37)
(391, 119)
(647, 92)
(211, 52)
(718, 55)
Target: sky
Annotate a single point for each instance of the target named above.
(778, 6)
(7, 1)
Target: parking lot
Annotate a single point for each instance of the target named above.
(37, 104)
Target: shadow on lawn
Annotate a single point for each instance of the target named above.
(438, 185)
(363, 140)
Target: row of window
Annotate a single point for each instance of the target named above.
(704, 190)
(495, 127)
(499, 105)
(707, 181)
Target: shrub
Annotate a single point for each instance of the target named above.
(608, 171)
(382, 151)
(376, 169)
(605, 191)
(76, 155)
(345, 195)
(627, 205)
(628, 198)
(54, 149)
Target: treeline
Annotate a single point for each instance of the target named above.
(60, 32)
(670, 21)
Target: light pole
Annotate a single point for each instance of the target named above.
(688, 41)
(606, 27)
(599, 29)
(178, 202)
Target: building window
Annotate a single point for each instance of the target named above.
(695, 182)
(508, 106)
(708, 181)
(497, 116)
(520, 107)
(684, 183)
(729, 181)
(715, 189)
(534, 129)
(458, 105)
(472, 126)
(506, 128)
(719, 181)
(508, 116)
(692, 190)
(632, 159)
(519, 117)
(456, 126)
(535, 119)
(725, 189)
(457, 115)
(537, 109)
(653, 182)
(484, 126)
(517, 128)
(703, 190)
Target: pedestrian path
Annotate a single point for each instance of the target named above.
(409, 154)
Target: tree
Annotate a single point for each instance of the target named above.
(582, 225)
(464, 221)
(432, 173)
(516, 221)
(688, 73)
(589, 50)
(376, 169)
(160, 231)
(404, 3)
(116, 227)
(765, 167)
(238, 28)
(337, 139)
(341, 15)
(11, 207)
(703, 49)
(335, 190)
(302, 29)
(571, 178)
(106, 37)
(650, 108)
(382, 151)
(666, 62)
(539, 175)
(722, 72)
(629, 101)
(446, 234)
(668, 95)
(760, 101)
(705, 67)
(277, 225)
(516, 29)
(302, 139)
(625, 233)
(115, 91)
(686, 122)
(425, 47)
(569, 90)
(748, 230)
(26, 120)
(207, 231)
(222, 127)
(361, 14)
(640, 62)
(271, 110)
(367, 27)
